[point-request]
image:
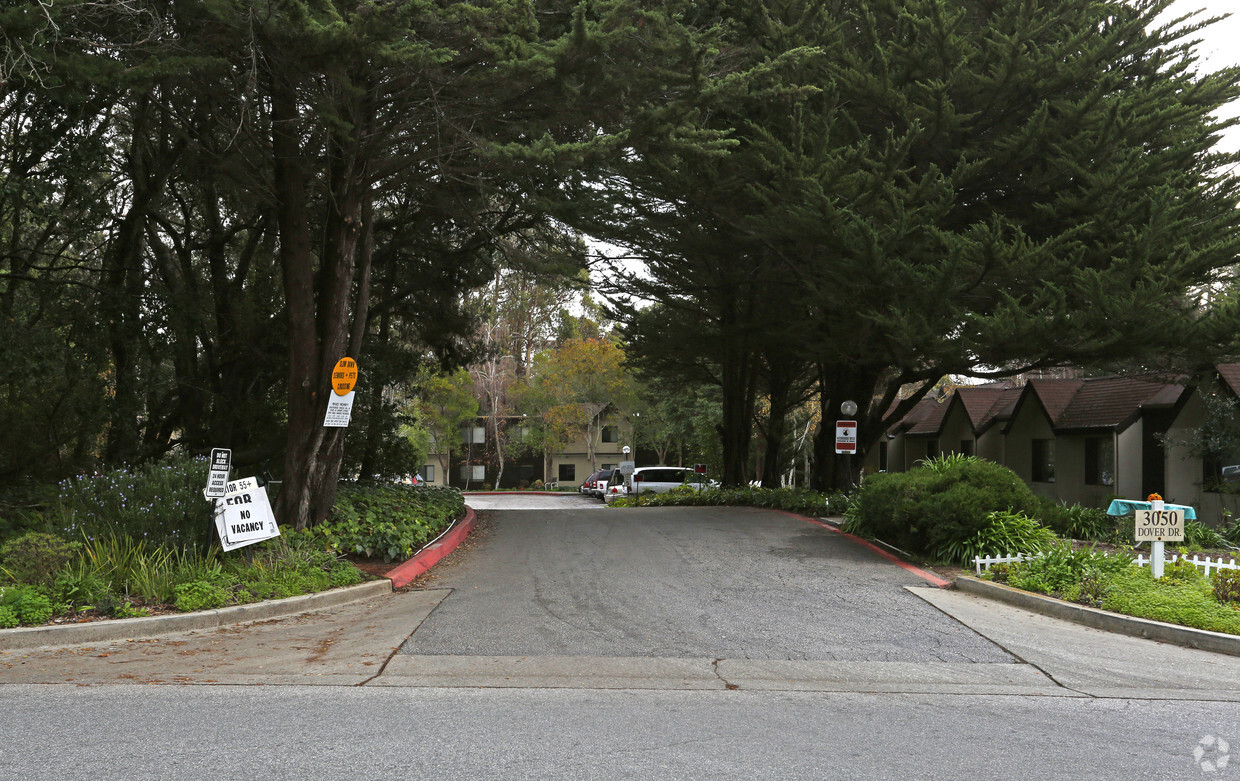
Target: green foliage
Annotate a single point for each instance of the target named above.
(793, 500)
(25, 508)
(1226, 584)
(1198, 537)
(35, 557)
(80, 585)
(387, 521)
(160, 502)
(1076, 522)
(27, 603)
(1135, 592)
(8, 618)
(1005, 532)
(199, 595)
(1076, 575)
(937, 506)
(1181, 571)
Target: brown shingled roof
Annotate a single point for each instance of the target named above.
(980, 403)
(1230, 372)
(1113, 402)
(1055, 395)
(931, 418)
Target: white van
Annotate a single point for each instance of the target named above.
(659, 479)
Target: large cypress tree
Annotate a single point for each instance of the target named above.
(968, 187)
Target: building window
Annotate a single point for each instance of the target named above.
(932, 449)
(882, 456)
(473, 472)
(428, 473)
(966, 447)
(611, 433)
(1100, 461)
(568, 473)
(1043, 460)
(474, 434)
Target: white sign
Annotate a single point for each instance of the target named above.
(339, 410)
(846, 436)
(244, 517)
(626, 468)
(217, 478)
(1160, 525)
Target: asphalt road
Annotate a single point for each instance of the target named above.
(635, 644)
(716, 583)
(233, 732)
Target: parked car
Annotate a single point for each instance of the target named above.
(616, 487)
(610, 483)
(661, 479)
(600, 484)
(590, 484)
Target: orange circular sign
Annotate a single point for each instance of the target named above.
(344, 376)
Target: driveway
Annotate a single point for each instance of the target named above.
(715, 583)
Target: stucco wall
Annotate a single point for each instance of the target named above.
(1128, 462)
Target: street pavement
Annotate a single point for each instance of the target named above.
(638, 643)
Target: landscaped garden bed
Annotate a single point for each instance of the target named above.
(141, 542)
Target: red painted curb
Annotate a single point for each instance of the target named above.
(918, 571)
(432, 554)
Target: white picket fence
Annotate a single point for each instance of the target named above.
(1207, 564)
(981, 563)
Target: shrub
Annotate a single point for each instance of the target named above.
(35, 557)
(1181, 571)
(1076, 522)
(794, 500)
(199, 595)
(1061, 571)
(27, 603)
(79, 585)
(1226, 584)
(387, 521)
(1198, 536)
(1004, 532)
(160, 502)
(8, 619)
(941, 504)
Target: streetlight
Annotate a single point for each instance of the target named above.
(849, 408)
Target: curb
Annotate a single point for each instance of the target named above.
(151, 626)
(432, 554)
(1174, 634)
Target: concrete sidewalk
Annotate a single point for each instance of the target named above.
(344, 646)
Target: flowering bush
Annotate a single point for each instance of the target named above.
(161, 502)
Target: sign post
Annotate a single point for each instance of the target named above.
(340, 405)
(1159, 525)
(244, 516)
(217, 478)
(846, 436)
(846, 443)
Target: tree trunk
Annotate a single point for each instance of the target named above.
(318, 306)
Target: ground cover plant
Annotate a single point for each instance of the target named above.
(127, 543)
(1183, 595)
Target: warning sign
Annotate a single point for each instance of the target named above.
(846, 436)
(344, 376)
